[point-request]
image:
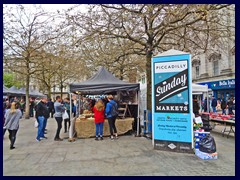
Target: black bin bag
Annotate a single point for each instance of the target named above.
(207, 144)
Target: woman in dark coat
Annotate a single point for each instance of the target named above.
(195, 107)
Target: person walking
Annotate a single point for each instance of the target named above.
(22, 105)
(50, 106)
(98, 110)
(42, 115)
(214, 104)
(7, 106)
(12, 117)
(67, 121)
(111, 114)
(223, 106)
(59, 109)
(31, 106)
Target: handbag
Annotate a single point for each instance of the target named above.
(65, 115)
(35, 124)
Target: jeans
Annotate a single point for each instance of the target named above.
(31, 112)
(59, 124)
(44, 124)
(40, 132)
(51, 111)
(230, 110)
(214, 109)
(12, 136)
(99, 129)
(223, 111)
(112, 127)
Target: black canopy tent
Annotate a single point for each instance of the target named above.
(7, 91)
(103, 82)
(16, 91)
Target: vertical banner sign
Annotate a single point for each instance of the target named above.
(172, 101)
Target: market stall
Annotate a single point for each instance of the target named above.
(103, 82)
(85, 128)
(199, 91)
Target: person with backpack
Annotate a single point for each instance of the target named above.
(111, 113)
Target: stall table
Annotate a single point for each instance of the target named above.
(85, 128)
(225, 122)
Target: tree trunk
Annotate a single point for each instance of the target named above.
(149, 81)
(49, 91)
(27, 110)
(61, 89)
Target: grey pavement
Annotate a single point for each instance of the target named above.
(129, 155)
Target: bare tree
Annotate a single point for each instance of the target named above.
(155, 27)
(26, 31)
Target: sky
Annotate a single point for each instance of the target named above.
(55, 7)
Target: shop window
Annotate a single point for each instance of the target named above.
(215, 68)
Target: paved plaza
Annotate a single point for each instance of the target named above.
(129, 155)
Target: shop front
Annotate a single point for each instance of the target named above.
(222, 89)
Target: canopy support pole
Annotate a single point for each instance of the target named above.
(138, 118)
(71, 128)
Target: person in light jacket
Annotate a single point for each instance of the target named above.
(59, 110)
(11, 124)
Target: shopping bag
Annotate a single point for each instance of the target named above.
(65, 115)
(35, 124)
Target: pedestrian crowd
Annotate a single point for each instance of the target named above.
(45, 108)
(227, 107)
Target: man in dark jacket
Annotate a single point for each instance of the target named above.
(42, 115)
(223, 106)
(214, 104)
(50, 106)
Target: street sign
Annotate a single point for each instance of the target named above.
(172, 101)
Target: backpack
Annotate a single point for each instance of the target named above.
(114, 109)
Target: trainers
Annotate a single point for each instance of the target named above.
(43, 137)
(38, 140)
(112, 138)
(96, 138)
(101, 138)
(116, 137)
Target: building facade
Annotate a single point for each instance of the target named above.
(216, 67)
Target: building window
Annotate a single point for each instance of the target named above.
(197, 71)
(196, 68)
(143, 80)
(215, 68)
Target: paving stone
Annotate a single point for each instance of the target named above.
(129, 155)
